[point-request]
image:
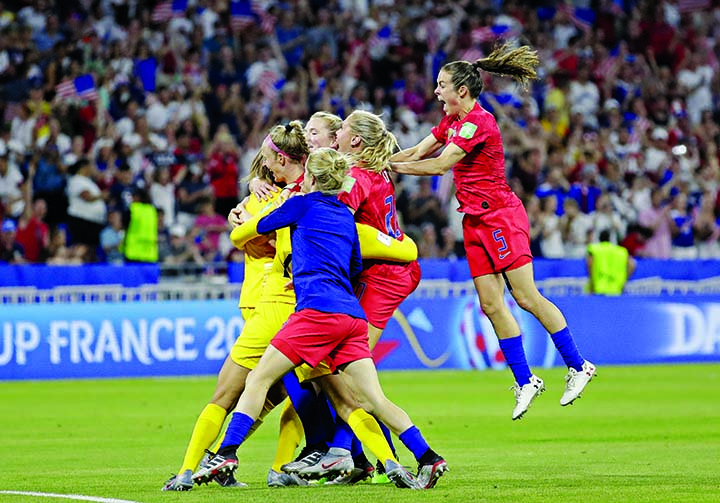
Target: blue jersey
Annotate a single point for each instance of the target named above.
(325, 251)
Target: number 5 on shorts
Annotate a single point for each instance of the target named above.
(503, 249)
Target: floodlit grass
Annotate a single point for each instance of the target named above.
(648, 433)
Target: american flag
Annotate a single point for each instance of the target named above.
(605, 67)
(162, 12)
(380, 41)
(692, 5)
(581, 18)
(267, 83)
(617, 7)
(241, 15)
(79, 87)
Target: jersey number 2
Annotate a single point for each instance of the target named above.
(391, 218)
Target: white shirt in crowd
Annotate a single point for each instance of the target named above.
(94, 211)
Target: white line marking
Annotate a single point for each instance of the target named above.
(69, 497)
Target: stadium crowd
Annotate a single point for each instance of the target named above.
(173, 99)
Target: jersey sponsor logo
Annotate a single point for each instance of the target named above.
(467, 130)
(348, 184)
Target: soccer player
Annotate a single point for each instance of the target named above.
(495, 224)
(381, 286)
(329, 323)
(264, 311)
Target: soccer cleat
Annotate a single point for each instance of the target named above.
(379, 476)
(335, 462)
(215, 466)
(524, 395)
(307, 457)
(575, 382)
(228, 480)
(180, 482)
(281, 479)
(429, 473)
(361, 472)
(400, 476)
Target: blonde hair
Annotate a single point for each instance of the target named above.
(378, 144)
(518, 63)
(328, 167)
(331, 121)
(258, 169)
(290, 138)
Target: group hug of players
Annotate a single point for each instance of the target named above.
(327, 265)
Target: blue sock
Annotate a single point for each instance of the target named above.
(514, 353)
(414, 441)
(343, 437)
(312, 409)
(565, 344)
(388, 436)
(237, 431)
(356, 447)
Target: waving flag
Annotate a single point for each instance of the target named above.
(241, 15)
(79, 87)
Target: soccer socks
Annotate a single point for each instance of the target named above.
(343, 437)
(367, 430)
(388, 436)
(237, 432)
(291, 433)
(207, 428)
(514, 353)
(414, 441)
(565, 344)
(312, 409)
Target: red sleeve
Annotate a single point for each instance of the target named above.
(440, 132)
(355, 189)
(473, 131)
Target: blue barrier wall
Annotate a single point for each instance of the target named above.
(133, 275)
(186, 338)
(50, 276)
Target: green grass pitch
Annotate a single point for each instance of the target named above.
(640, 434)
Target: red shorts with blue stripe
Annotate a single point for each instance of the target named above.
(383, 286)
(497, 241)
(312, 336)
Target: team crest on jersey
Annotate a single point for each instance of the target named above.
(348, 184)
(467, 130)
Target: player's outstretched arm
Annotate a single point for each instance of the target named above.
(375, 244)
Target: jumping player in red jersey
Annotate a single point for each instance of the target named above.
(495, 224)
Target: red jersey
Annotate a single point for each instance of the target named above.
(480, 175)
(372, 196)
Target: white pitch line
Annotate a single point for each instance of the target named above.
(68, 497)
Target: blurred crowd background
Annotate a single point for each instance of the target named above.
(105, 101)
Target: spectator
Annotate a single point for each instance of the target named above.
(208, 229)
(11, 252)
(656, 220)
(576, 229)
(87, 212)
(11, 185)
(181, 251)
(33, 233)
(111, 238)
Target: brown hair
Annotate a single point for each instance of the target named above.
(518, 63)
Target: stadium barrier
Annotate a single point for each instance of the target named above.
(154, 338)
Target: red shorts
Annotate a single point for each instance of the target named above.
(383, 286)
(497, 241)
(312, 336)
